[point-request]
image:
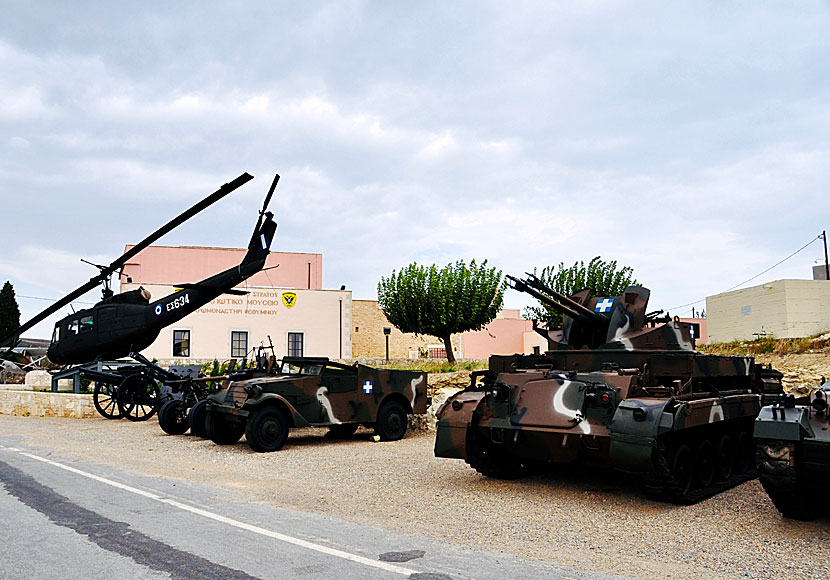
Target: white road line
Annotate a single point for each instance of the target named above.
(216, 517)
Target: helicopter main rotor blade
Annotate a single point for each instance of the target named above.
(270, 192)
(107, 271)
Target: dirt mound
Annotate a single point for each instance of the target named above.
(802, 372)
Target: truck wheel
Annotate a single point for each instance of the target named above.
(267, 429)
(223, 431)
(342, 430)
(197, 417)
(391, 424)
(173, 418)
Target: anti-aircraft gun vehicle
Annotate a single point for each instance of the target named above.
(793, 450)
(315, 392)
(619, 388)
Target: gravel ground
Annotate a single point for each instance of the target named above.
(589, 520)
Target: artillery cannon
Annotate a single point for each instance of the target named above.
(619, 388)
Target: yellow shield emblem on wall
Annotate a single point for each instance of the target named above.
(289, 299)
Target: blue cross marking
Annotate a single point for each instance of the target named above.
(367, 387)
(604, 305)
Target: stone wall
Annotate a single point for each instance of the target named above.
(40, 404)
(368, 340)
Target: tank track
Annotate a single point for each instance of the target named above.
(663, 486)
(780, 480)
(492, 462)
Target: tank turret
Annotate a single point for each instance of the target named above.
(618, 322)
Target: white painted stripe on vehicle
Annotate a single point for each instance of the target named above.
(216, 517)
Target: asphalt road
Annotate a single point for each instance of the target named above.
(63, 518)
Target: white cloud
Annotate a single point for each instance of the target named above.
(689, 141)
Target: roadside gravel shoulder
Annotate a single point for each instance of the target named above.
(585, 519)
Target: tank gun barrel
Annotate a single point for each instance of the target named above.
(587, 313)
(559, 302)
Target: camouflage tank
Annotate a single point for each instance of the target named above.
(617, 388)
(315, 392)
(793, 450)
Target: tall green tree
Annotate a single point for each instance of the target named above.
(440, 303)
(600, 277)
(9, 311)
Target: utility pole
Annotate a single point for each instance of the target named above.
(826, 263)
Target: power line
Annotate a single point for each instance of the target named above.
(50, 299)
(818, 237)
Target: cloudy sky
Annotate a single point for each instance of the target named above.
(690, 140)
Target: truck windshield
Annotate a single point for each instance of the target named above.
(301, 369)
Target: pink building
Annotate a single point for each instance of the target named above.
(283, 304)
(509, 333)
(188, 264)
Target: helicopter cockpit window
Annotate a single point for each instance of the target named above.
(56, 334)
(86, 324)
(73, 327)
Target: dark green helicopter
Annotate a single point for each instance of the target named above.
(128, 322)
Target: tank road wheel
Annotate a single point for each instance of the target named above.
(681, 469)
(725, 458)
(391, 424)
(173, 418)
(744, 453)
(704, 464)
(196, 418)
(105, 400)
(138, 397)
(267, 429)
(342, 430)
(491, 461)
(222, 430)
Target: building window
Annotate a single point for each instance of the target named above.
(239, 343)
(295, 344)
(181, 343)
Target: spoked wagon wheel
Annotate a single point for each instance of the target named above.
(138, 397)
(105, 401)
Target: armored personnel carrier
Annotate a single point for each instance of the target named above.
(793, 449)
(618, 387)
(318, 392)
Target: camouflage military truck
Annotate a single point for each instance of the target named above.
(618, 388)
(793, 450)
(318, 392)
